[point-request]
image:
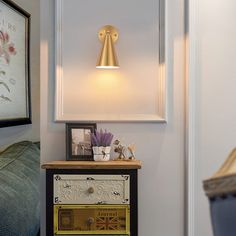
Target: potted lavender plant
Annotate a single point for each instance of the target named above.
(101, 142)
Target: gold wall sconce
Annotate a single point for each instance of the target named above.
(108, 35)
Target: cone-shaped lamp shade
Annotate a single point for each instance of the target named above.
(108, 58)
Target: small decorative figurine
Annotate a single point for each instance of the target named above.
(131, 149)
(124, 152)
(120, 149)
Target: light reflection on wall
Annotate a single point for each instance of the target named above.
(109, 88)
(101, 91)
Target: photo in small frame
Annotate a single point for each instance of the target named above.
(78, 141)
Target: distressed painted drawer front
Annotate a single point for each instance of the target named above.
(93, 189)
(89, 219)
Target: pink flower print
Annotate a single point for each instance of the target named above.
(11, 49)
(6, 56)
(3, 37)
(6, 49)
(6, 36)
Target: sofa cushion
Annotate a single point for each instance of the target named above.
(19, 190)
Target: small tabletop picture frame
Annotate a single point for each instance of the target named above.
(15, 102)
(78, 141)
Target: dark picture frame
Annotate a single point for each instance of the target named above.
(78, 141)
(15, 97)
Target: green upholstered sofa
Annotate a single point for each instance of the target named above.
(19, 190)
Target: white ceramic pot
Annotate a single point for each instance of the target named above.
(101, 153)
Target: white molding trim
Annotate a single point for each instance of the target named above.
(60, 116)
(58, 60)
(190, 143)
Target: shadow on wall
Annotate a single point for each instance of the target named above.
(10, 135)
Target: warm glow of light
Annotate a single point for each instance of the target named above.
(108, 86)
(106, 78)
(107, 67)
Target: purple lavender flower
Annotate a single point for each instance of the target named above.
(101, 138)
(94, 140)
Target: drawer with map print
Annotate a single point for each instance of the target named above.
(88, 219)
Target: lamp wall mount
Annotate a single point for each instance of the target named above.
(108, 29)
(108, 35)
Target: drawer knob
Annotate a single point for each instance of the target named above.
(90, 221)
(91, 190)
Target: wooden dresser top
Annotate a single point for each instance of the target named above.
(134, 164)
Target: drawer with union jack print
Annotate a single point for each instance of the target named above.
(91, 189)
(92, 220)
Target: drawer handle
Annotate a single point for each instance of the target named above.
(90, 220)
(91, 190)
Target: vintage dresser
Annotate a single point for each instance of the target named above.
(92, 198)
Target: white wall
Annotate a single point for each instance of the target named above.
(11, 135)
(215, 96)
(159, 146)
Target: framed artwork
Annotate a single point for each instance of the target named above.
(137, 91)
(78, 141)
(15, 108)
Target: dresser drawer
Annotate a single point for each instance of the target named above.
(92, 189)
(89, 219)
